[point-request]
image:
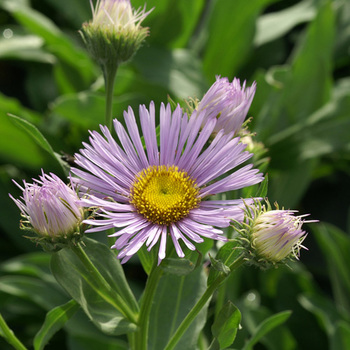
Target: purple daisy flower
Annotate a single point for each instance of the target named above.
(228, 102)
(49, 207)
(152, 191)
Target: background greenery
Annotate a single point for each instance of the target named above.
(298, 52)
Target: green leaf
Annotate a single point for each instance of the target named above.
(227, 254)
(174, 297)
(54, 321)
(335, 246)
(37, 136)
(41, 293)
(171, 22)
(148, 258)
(341, 337)
(276, 24)
(73, 277)
(28, 48)
(56, 42)
(323, 308)
(176, 266)
(318, 72)
(32, 264)
(230, 36)
(266, 326)
(179, 71)
(226, 325)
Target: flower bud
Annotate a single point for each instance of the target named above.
(51, 209)
(228, 102)
(114, 34)
(271, 236)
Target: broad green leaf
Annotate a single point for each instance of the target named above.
(76, 12)
(83, 335)
(34, 132)
(178, 71)
(276, 24)
(266, 326)
(335, 246)
(176, 266)
(287, 186)
(28, 48)
(175, 296)
(318, 71)
(75, 279)
(230, 35)
(341, 337)
(54, 321)
(171, 22)
(323, 308)
(226, 325)
(37, 136)
(56, 42)
(15, 144)
(32, 264)
(41, 293)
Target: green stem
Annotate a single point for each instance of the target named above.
(146, 305)
(101, 286)
(200, 304)
(109, 73)
(10, 337)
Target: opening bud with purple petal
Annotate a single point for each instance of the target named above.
(114, 34)
(271, 236)
(228, 103)
(51, 209)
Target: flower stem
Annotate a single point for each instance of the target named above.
(109, 73)
(145, 310)
(10, 337)
(101, 286)
(200, 304)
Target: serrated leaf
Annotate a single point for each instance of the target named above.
(54, 321)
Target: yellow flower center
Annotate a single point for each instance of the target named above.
(164, 195)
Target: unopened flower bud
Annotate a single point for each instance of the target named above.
(114, 34)
(228, 102)
(272, 236)
(51, 209)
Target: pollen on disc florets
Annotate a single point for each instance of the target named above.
(164, 195)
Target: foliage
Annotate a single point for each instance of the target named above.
(52, 93)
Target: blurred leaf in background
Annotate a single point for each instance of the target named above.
(298, 52)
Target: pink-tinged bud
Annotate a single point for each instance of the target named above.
(228, 103)
(49, 208)
(271, 236)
